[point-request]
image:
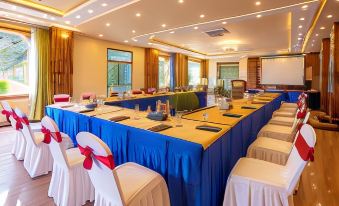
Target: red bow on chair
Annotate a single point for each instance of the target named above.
(88, 162)
(48, 135)
(302, 114)
(18, 124)
(7, 114)
(306, 152)
(300, 125)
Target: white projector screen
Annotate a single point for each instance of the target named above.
(282, 70)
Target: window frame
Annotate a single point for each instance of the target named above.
(169, 60)
(122, 62)
(190, 59)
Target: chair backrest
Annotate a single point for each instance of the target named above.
(238, 88)
(5, 106)
(304, 144)
(61, 98)
(57, 149)
(103, 178)
(88, 96)
(26, 128)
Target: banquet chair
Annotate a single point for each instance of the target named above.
(280, 132)
(19, 145)
(238, 88)
(303, 96)
(88, 96)
(290, 121)
(70, 183)
(257, 182)
(271, 149)
(127, 184)
(290, 112)
(38, 160)
(61, 98)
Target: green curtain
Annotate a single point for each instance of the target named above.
(184, 101)
(42, 48)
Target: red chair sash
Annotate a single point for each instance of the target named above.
(7, 114)
(88, 162)
(48, 135)
(306, 152)
(61, 99)
(18, 124)
(301, 114)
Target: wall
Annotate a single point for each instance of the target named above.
(90, 65)
(212, 71)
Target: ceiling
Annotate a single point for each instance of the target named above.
(177, 25)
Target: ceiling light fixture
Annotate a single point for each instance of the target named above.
(300, 26)
(78, 17)
(300, 34)
(181, 1)
(150, 43)
(126, 41)
(163, 25)
(172, 32)
(302, 19)
(108, 24)
(196, 27)
(329, 16)
(67, 22)
(322, 28)
(224, 22)
(316, 34)
(138, 14)
(133, 31)
(202, 15)
(304, 7)
(90, 11)
(312, 44)
(259, 16)
(300, 38)
(103, 4)
(135, 40)
(258, 3)
(100, 35)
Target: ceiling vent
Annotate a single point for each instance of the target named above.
(217, 32)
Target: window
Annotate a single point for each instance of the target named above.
(13, 64)
(193, 73)
(119, 70)
(228, 72)
(164, 72)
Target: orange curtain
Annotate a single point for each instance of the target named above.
(151, 68)
(181, 70)
(61, 62)
(204, 68)
(325, 57)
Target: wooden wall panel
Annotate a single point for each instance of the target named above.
(252, 73)
(325, 58)
(312, 60)
(334, 96)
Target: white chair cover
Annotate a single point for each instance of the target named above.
(70, 183)
(280, 132)
(302, 98)
(256, 182)
(38, 160)
(290, 121)
(19, 145)
(127, 184)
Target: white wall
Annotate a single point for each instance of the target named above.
(90, 65)
(243, 68)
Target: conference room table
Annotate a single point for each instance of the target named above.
(195, 163)
(145, 100)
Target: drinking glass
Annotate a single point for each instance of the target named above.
(178, 116)
(136, 109)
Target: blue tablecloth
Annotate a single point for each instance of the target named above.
(194, 176)
(151, 101)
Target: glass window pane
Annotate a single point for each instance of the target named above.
(228, 72)
(193, 73)
(121, 56)
(164, 72)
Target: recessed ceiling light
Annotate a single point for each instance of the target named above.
(304, 7)
(135, 40)
(126, 41)
(224, 22)
(322, 28)
(67, 22)
(300, 34)
(150, 43)
(202, 15)
(78, 17)
(108, 24)
(90, 11)
(258, 3)
(172, 32)
(300, 38)
(103, 4)
(329, 16)
(302, 19)
(312, 44)
(300, 26)
(180, 1)
(313, 40)
(138, 14)
(259, 15)
(163, 25)
(133, 31)
(196, 27)
(100, 35)
(316, 34)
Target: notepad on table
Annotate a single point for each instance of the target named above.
(208, 128)
(232, 115)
